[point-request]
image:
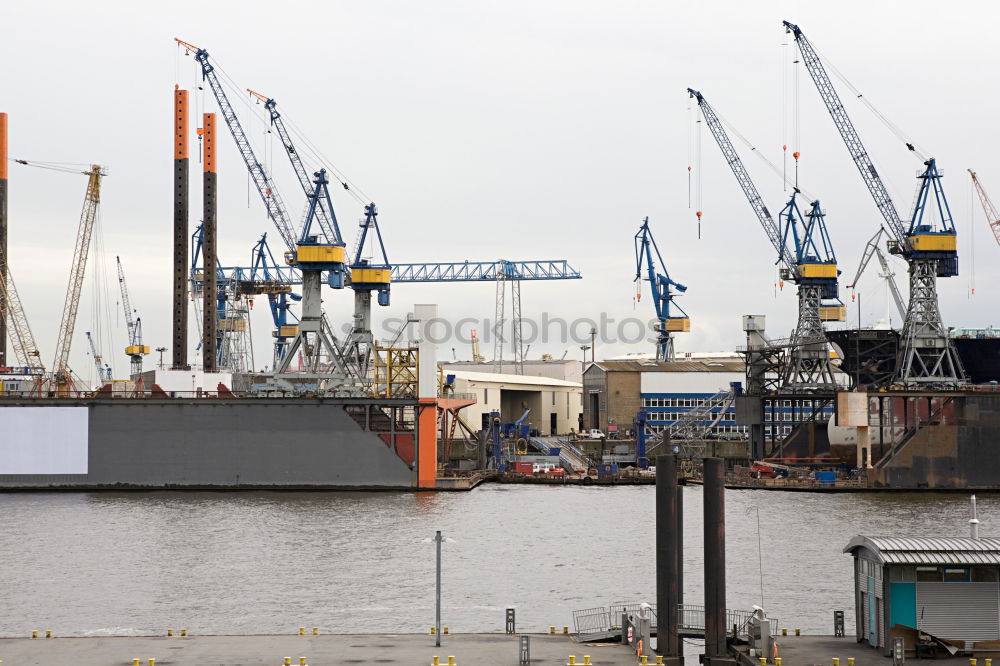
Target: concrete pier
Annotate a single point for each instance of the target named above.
(322, 650)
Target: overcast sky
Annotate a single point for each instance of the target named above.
(523, 130)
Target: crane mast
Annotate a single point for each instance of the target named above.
(91, 205)
(992, 217)
(812, 267)
(927, 357)
(663, 297)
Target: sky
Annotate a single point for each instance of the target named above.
(517, 130)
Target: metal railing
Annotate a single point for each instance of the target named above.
(601, 622)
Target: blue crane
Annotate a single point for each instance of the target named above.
(928, 243)
(662, 287)
(810, 263)
(103, 373)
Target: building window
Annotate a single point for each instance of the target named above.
(984, 574)
(553, 397)
(956, 575)
(486, 396)
(928, 575)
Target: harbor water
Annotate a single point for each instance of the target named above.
(269, 562)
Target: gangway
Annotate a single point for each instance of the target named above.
(694, 424)
(605, 623)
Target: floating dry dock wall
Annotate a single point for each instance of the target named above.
(208, 443)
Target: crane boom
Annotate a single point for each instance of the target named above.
(265, 186)
(91, 205)
(746, 183)
(22, 339)
(883, 201)
(872, 249)
(327, 218)
(126, 303)
(992, 217)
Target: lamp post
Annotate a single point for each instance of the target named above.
(584, 349)
(437, 611)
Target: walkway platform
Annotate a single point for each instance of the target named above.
(820, 650)
(328, 650)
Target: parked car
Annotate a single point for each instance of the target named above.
(595, 434)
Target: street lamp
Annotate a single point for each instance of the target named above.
(438, 540)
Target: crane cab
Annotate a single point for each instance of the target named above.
(369, 277)
(677, 325)
(311, 255)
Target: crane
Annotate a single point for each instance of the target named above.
(265, 186)
(265, 278)
(135, 349)
(103, 372)
(368, 273)
(62, 374)
(22, 339)
(927, 357)
(812, 266)
(323, 214)
(992, 217)
(662, 287)
(887, 274)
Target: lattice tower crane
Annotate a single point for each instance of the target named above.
(992, 217)
(662, 287)
(103, 371)
(62, 375)
(812, 267)
(927, 357)
(22, 339)
(135, 349)
(887, 273)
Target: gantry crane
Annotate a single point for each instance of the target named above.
(887, 273)
(369, 271)
(103, 372)
(62, 375)
(315, 252)
(662, 287)
(927, 357)
(812, 266)
(135, 349)
(992, 217)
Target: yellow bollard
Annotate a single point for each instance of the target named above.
(989, 662)
(437, 661)
(302, 661)
(586, 659)
(48, 633)
(135, 662)
(565, 629)
(797, 633)
(302, 631)
(552, 630)
(184, 632)
(444, 630)
(433, 630)
(572, 660)
(34, 633)
(288, 661)
(850, 661)
(152, 661)
(451, 660)
(777, 661)
(972, 661)
(763, 661)
(315, 631)
(659, 659)
(784, 632)
(643, 659)
(836, 661)
(170, 632)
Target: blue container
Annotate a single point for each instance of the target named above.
(607, 469)
(826, 478)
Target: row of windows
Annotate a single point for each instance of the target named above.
(946, 574)
(657, 427)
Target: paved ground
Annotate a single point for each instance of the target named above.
(820, 651)
(331, 650)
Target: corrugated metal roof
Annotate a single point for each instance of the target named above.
(930, 550)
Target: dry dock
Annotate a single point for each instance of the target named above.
(323, 650)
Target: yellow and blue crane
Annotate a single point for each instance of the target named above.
(662, 287)
(928, 242)
(805, 258)
(135, 350)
